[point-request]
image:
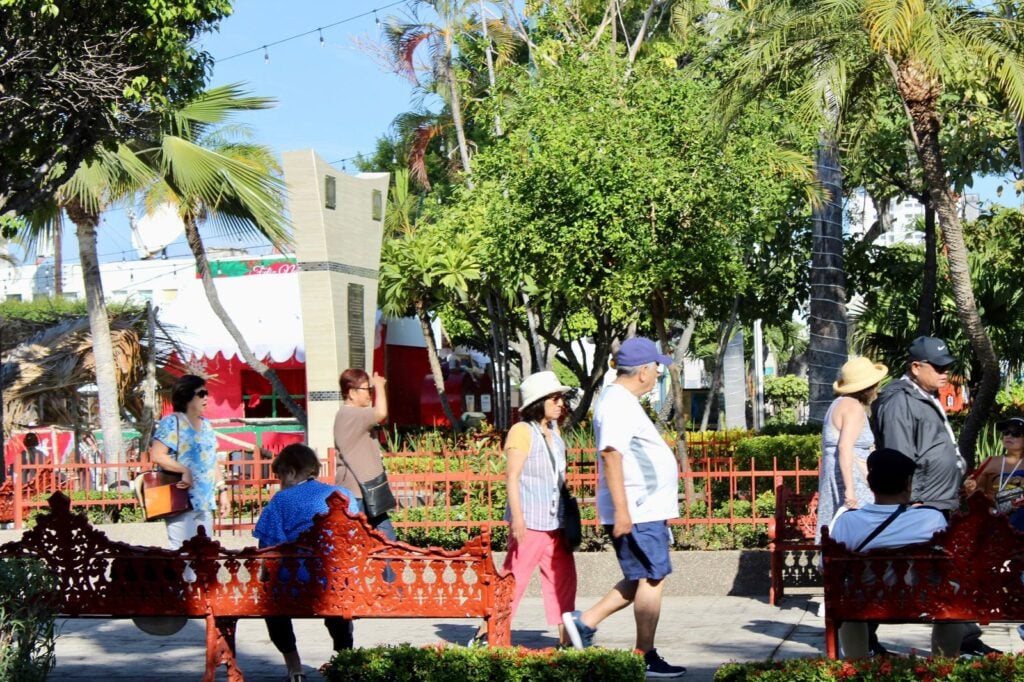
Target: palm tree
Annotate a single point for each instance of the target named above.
(416, 270)
(454, 21)
(211, 175)
(914, 48)
(97, 184)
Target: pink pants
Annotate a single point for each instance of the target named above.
(547, 549)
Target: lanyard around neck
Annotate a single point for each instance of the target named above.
(1003, 478)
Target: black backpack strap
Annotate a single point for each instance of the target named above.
(882, 526)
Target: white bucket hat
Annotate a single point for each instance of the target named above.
(540, 385)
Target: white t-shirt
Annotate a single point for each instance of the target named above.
(649, 468)
(916, 524)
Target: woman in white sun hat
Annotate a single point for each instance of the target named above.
(846, 440)
(534, 472)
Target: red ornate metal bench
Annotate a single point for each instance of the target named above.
(336, 568)
(792, 532)
(972, 571)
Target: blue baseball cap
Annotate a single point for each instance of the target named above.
(638, 351)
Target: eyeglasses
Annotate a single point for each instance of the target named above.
(1013, 433)
(202, 393)
(941, 369)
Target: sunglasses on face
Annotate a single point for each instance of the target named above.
(941, 369)
(202, 393)
(1013, 433)
(558, 398)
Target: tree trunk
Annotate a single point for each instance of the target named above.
(456, 104)
(920, 95)
(926, 308)
(678, 378)
(150, 410)
(827, 350)
(716, 376)
(58, 254)
(538, 357)
(435, 364)
(99, 326)
(195, 243)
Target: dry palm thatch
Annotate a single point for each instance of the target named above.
(42, 376)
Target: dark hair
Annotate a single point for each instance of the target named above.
(31, 439)
(298, 459)
(534, 412)
(889, 471)
(184, 390)
(353, 377)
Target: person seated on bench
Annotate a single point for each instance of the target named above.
(891, 522)
(286, 516)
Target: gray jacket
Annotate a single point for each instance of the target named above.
(905, 420)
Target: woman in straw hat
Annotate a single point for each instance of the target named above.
(534, 472)
(846, 440)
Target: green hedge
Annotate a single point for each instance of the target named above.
(28, 612)
(406, 663)
(761, 450)
(992, 668)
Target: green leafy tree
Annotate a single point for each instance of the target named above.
(87, 73)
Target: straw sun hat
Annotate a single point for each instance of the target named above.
(858, 374)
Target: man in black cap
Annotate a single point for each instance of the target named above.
(908, 417)
(891, 522)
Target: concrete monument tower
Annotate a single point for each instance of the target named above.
(339, 224)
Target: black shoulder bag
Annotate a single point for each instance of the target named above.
(572, 525)
(377, 496)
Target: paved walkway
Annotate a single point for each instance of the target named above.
(701, 633)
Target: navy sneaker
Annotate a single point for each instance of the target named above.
(582, 635)
(976, 648)
(660, 669)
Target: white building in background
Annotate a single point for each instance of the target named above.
(907, 216)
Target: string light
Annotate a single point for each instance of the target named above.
(313, 30)
(321, 37)
(266, 55)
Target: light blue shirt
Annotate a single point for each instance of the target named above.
(197, 450)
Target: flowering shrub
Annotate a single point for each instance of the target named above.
(894, 668)
(460, 664)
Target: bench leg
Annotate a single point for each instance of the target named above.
(775, 585)
(499, 631)
(831, 636)
(220, 648)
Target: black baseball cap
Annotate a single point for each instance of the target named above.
(1012, 421)
(931, 350)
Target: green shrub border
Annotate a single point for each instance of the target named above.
(445, 663)
(991, 668)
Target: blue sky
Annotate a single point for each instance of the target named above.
(335, 97)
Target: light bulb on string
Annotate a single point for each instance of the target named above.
(376, 19)
(266, 55)
(321, 32)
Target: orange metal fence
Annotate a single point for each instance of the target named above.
(464, 489)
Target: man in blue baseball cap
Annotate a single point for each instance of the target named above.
(638, 483)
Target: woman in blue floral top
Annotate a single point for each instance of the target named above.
(185, 443)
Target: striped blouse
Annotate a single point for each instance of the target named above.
(538, 484)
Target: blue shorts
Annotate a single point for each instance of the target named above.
(644, 552)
